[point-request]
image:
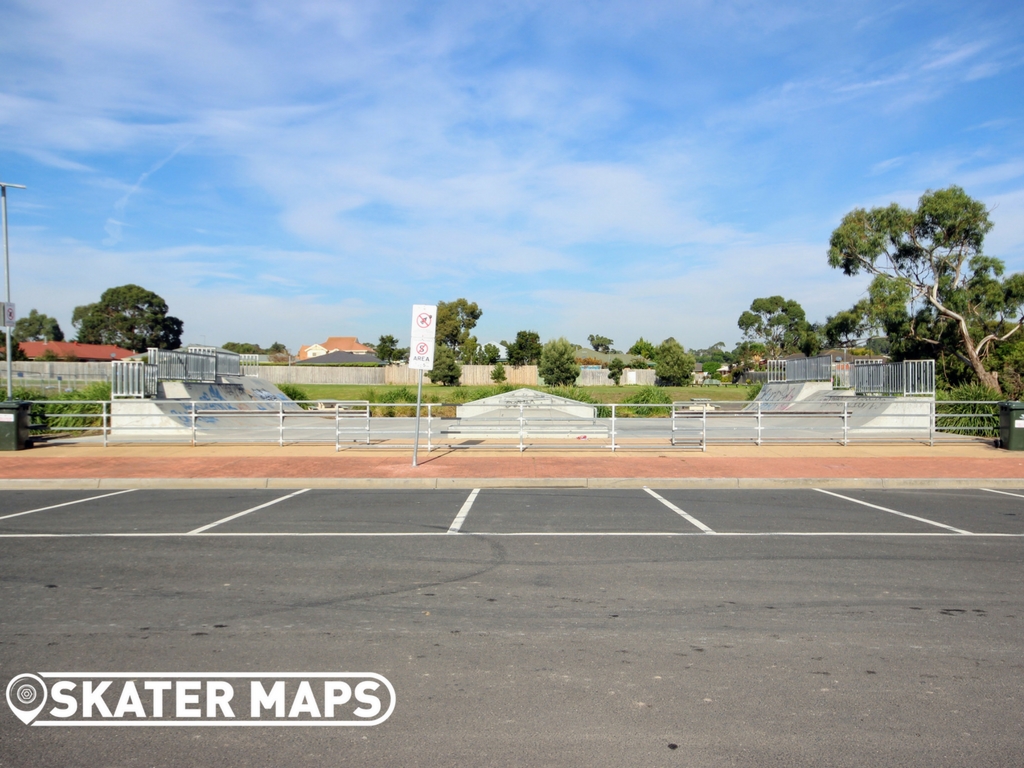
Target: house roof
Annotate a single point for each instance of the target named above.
(338, 344)
(37, 349)
(341, 357)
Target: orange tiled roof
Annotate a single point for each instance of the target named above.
(36, 349)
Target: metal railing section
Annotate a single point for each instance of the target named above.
(801, 369)
(132, 379)
(910, 377)
(194, 365)
(695, 424)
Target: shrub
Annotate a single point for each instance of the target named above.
(558, 363)
(963, 418)
(646, 395)
(293, 392)
(498, 374)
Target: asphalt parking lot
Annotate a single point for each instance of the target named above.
(537, 627)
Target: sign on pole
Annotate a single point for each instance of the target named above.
(421, 341)
(9, 316)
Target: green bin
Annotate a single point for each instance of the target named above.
(15, 422)
(1011, 426)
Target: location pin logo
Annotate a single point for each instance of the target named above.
(26, 696)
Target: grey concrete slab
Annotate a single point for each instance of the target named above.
(787, 511)
(143, 511)
(571, 511)
(610, 651)
(972, 509)
(355, 511)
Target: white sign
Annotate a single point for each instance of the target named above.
(421, 340)
(8, 313)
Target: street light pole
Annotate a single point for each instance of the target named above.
(7, 283)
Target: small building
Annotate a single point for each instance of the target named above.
(348, 344)
(72, 350)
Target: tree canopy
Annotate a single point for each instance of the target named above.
(675, 367)
(128, 316)
(388, 351)
(600, 343)
(934, 288)
(455, 320)
(778, 323)
(558, 364)
(525, 350)
(36, 326)
(642, 348)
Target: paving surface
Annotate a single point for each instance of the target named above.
(614, 627)
(821, 463)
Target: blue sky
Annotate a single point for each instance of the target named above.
(292, 171)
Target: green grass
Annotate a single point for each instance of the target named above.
(435, 393)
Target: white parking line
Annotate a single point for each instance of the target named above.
(894, 512)
(1005, 493)
(244, 512)
(460, 518)
(679, 512)
(66, 504)
(563, 534)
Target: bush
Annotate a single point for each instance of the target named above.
(558, 363)
(646, 395)
(498, 374)
(675, 367)
(753, 390)
(981, 420)
(293, 392)
(446, 370)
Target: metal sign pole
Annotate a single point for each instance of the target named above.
(8, 351)
(419, 399)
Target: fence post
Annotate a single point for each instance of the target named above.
(521, 425)
(368, 423)
(192, 407)
(105, 424)
(430, 418)
(337, 427)
(280, 417)
(613, 427)
(931, 424)
(846, 423)
(704, 429)
(759, 422)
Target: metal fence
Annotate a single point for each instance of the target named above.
(801, 369)
(685, 425)
(910, 377)
(132, 379)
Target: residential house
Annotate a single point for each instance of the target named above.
(72, 350)
(334, 344)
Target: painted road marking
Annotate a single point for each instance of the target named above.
(679, 512)
(894, 512)
(581, 534)
(460, 518)
(244, 512)
(66, 504)
(1005, 493)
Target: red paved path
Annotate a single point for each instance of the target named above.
(91, 464)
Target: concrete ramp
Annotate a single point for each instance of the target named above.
(170, 414)
(868, 415)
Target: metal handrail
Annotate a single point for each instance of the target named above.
(685, 425)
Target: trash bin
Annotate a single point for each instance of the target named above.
(1011, 426)
(14, 425)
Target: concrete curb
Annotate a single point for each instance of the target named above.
(462, 483)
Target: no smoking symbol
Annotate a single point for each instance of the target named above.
(421, 348)
(423, 320)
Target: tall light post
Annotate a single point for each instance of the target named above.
(7, 282)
